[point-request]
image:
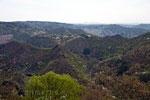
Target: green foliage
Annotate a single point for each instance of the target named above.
(95, 92)
(22, 31)
(9, 90)
(144, 77)
(63, 30)
(124, 67)
(86, 51)
(111, 56)
(125, 87)
(97, 47)
(42, 42)
(53, 86)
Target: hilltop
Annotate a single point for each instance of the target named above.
(22, 31)
(103, 64)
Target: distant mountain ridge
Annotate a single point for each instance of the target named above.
(23, 30)
(144, 26)
(113, 29)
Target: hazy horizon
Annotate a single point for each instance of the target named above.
(77, 11)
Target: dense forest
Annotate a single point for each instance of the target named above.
(59, 61)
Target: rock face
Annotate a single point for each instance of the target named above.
(5, 38)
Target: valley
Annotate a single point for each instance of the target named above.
(111, 61)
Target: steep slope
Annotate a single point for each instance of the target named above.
(134, 60)
(139, 55)
(115, 55)
(98, 47)
(18, 61)
(137, 42)
(41, 42)
(120, 63)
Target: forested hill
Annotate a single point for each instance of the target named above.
(22, 31)
(41, 56)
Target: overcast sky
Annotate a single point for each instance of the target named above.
(76, 11)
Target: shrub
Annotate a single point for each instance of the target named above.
(53, 86)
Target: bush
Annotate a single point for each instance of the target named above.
(54, 87)
(144, 77)
(86, 51)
